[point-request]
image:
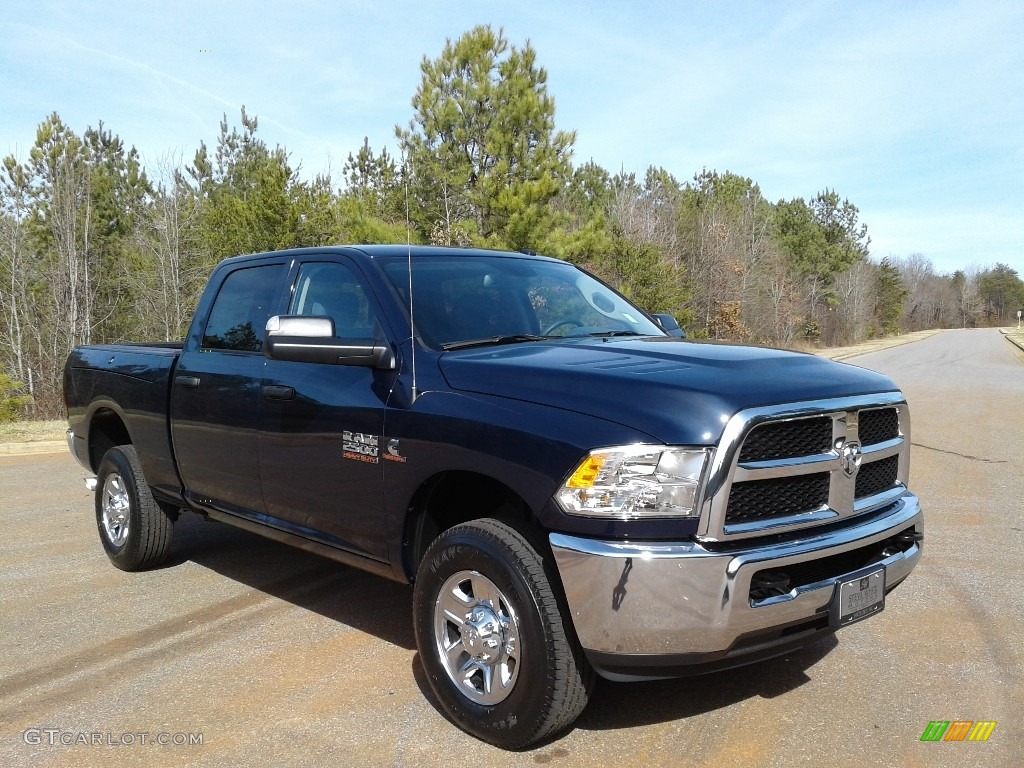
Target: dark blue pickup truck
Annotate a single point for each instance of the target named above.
(569, 488)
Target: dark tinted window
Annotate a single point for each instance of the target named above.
(243, 305)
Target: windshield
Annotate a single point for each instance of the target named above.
(469, 298)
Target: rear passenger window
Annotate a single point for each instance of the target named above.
(242, 307)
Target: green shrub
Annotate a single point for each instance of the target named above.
(12, 406)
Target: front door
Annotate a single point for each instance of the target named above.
(321, 425)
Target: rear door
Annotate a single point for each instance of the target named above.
(320, 441)
(215, 394)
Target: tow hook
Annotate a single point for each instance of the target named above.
(901, 542)
(769, 584)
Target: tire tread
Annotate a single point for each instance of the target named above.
(571, 677)
(154, 523)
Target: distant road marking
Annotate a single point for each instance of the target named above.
(961, 455)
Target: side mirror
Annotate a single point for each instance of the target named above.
(305, 339)
(669, 325)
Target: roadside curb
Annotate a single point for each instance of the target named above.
(867, 348)
(1015, 338)
(37, 447)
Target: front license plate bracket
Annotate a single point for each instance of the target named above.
(858, 596)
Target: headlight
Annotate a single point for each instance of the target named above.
(636, 481)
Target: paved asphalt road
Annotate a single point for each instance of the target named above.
(275, 657)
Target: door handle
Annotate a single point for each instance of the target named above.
(274, 392)
(187, 381)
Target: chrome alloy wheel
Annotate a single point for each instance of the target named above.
(477, 636)
(116, 506)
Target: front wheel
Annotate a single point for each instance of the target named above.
(497, 652)
(135, 529)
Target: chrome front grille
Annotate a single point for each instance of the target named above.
(787, 439)
(879, 425)
(779, 497)
(877, 477)
(807, 464)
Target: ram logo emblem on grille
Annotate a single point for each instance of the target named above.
(850, 456)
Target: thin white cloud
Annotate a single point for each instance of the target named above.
(911, 110)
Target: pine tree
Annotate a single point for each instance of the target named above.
(890, 296)
(482, 151)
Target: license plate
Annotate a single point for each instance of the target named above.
(858, 598)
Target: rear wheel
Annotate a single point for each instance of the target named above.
(135, 529)
(498, 655)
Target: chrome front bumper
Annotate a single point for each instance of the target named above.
(655, 604)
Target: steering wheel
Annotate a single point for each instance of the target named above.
(571, 323)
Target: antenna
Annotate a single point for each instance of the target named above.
(408, 246)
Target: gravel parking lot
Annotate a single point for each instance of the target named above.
(245, 652)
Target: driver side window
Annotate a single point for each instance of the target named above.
(329, 289)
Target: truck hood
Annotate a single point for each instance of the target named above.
(679, 392)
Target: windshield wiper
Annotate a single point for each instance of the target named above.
(512, 338)
(615, 333)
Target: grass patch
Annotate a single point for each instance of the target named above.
(32, 431)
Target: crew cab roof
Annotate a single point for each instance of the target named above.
(382, 251)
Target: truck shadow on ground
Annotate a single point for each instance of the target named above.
(615, 706)
(355, 598)
(625, 705)
(383, 609)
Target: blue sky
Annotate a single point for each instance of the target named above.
(912, 110)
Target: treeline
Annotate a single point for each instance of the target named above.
(95, 248)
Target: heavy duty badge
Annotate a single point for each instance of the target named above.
(358, 446)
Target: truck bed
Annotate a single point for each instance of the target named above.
(131, 381)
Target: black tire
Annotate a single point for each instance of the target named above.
(547, 686)
(135, 529)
